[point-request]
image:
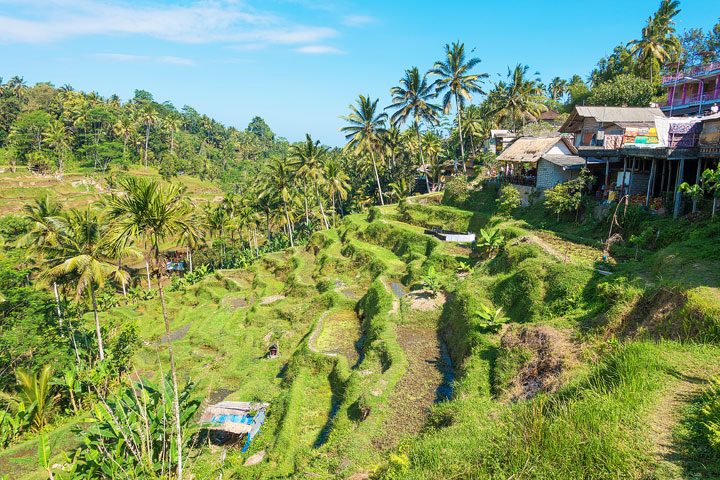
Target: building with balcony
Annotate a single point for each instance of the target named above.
(692, 91)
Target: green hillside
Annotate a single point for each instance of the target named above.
(592, 376)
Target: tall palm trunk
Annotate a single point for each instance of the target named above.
(147, 141)
(101, 350)
(289, 227)
(57, 304)
(147, 272)
(377, 177)
(322, 210)
(173, 373)
(462, 144)
(422, 157)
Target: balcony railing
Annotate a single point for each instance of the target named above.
(527, 180)
(696, 71)
(690, 99)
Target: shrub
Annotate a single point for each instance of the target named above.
(374, 213)
(488, 319)
(508, 199)
(456, 192)
(431, 281)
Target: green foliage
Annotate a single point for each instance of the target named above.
(623, 90)
(34, 394)
(567, 197)
(190, 278)
(488, 319)
(456, 191)
(131, 433)
(508, 199)
(374, 214)
(490, 242)
(432, 281)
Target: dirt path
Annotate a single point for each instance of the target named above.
(420, 387)
(665, 417)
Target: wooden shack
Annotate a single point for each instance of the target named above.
(229, 421)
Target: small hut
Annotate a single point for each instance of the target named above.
(273, 351)
(231, 421)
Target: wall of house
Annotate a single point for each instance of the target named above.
(527, 194)
(550, 175)
(559, 149)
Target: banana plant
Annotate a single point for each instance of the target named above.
(488, 319)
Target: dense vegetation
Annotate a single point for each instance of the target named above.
(547, 349)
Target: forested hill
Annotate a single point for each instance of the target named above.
(58, 128)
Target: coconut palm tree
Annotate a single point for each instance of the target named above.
(280, 183)
(172, 124)
(337, 181)
(155, 213)
(557, 88)
(309, 158)
(457, 83)
(411, 101)
(148, 117)
(81, 251)
(43, 233)
(658, 42)
(124, 127)
(519, 100)
(57, 137)
(365, 132)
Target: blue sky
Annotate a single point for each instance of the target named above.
(299, 63)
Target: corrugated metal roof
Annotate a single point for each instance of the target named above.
(564, 160)
(620, 114)
(529, 149)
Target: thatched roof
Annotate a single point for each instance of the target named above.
(618, 115)
(531, 149)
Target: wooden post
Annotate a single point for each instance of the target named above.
(622, 191)
(607, 175)
(632, 174)
(678, 181)
(697, 182)
(662, 177)
(651, 183)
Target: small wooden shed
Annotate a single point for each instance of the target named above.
(234, 419)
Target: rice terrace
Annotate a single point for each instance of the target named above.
(465, 269)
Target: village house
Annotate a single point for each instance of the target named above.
(693, 90)
(534, 164)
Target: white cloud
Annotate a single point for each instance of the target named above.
(38, 21)
(319, 50)
(124, 57)
(357, 20)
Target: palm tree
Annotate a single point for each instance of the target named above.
(309, 157)
(280, 184)
(148, 118)
(519, 100)
(393, 144)
(337, 181)
(365, 132)
(34, 395)
(43, 233)
(658, 42)
(154, 212)
(57, 137)
(172, 124)
(124, 127)
(81, 251)
(458, 83)
(557, 88)
(411, 100)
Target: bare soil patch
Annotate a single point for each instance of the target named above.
(549, 353)
(175, 335)
(425, 301)
(413, 396)
(271, 299)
